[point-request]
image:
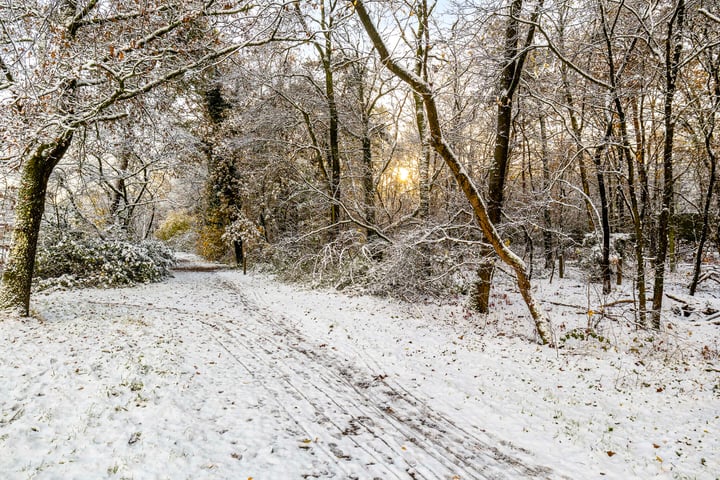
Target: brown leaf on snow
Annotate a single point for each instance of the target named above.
(610, 453)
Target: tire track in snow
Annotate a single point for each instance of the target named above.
(343, 399)
(251, 350)
(249, 342)
(362, 414)
(423, 425)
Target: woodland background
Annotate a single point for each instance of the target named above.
(281, 134)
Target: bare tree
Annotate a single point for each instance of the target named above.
(514, 54)
(438, 142)
(673, 47)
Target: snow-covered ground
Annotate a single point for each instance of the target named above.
(218, 375)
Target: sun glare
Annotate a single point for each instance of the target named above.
(403, 174)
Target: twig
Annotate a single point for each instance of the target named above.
(618, 302)
(599, 309)
(560, 304)
(677, 299)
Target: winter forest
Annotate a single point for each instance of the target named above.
(411, 238)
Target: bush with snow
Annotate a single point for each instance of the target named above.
(591, 252)
(179, 231)
(78, 260)
(419, 262)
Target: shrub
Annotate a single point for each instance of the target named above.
(77, 260)
(175, 224)
(178, 230)
(210, 243)
(419, 262)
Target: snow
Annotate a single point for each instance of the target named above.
(216, 374)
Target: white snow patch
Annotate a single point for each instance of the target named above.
(221, 375)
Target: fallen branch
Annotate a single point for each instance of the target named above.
(677, 299)
(598, 309)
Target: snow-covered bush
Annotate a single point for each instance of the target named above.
(591, 252)
(331, 265)
(77, 260)
(421, 261)
(243, 229)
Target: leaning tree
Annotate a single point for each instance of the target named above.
(438, 142)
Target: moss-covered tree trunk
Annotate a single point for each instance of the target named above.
(18, 274)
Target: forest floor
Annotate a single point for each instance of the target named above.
(220, 375)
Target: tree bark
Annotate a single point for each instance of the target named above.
(673, 50)
(18, 274)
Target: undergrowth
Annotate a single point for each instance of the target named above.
(73, 259)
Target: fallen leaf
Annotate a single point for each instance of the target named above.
(610, 453)
(655, 445)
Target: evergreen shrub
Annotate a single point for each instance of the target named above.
(72, 259)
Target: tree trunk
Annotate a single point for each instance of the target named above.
(119, 190)
(18, 274)
(421, 70)
(368, 183)
(513, 61)
(712, 158)
(640, 146)
(239, 249)
(575, 125)
(542, 323)
(424, 161)
(673, 50)
(706, 219)
(605, 272)
(548, 243)
(333, 147)
(626, 152)
(359, 72)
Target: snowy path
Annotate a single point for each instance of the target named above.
(369, 419)
(198, 375)
(223, 376)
